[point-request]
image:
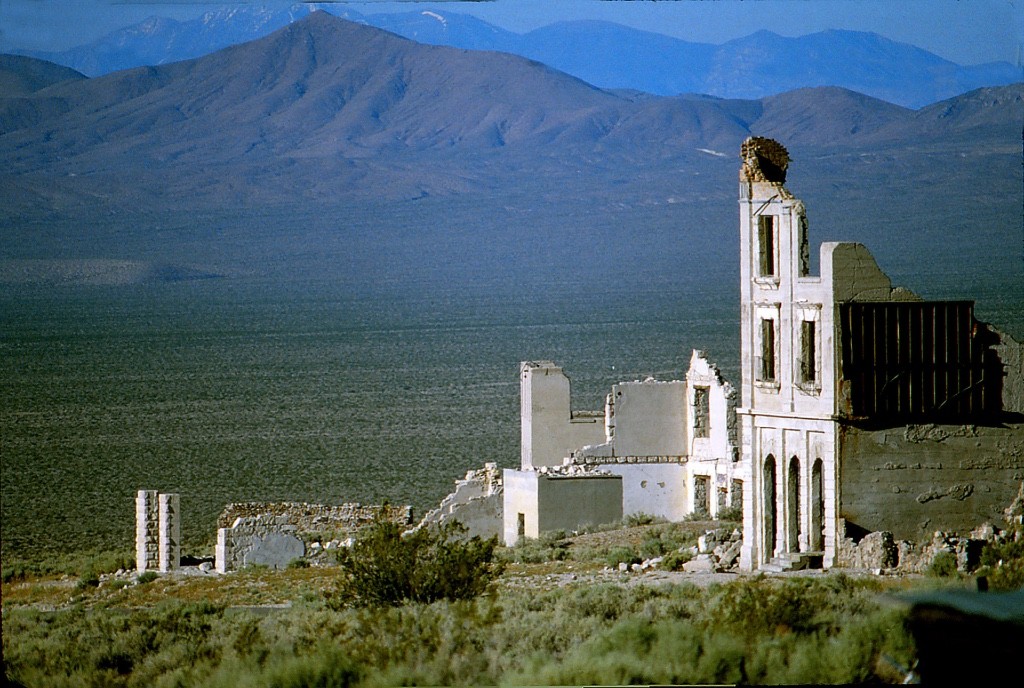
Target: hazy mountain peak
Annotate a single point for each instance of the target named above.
(20, 75)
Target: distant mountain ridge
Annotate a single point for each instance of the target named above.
(21, 76)
(335, 151)
(604, 54)
(337, 108)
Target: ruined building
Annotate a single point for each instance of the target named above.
(663, 448)
(861, 408)
(864, 408)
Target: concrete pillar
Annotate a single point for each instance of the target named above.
(157, 531)
(223, 550)
(170, 532)
(147, 531)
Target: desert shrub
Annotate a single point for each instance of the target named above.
(299, 563)
(639, 519)
(696, 517)
(673, 561)
(769, 607)
(619, 555)
(550, 546)
(89, 579)
(652, 547)
(21, 570)
(383, 568)
(147, 577)
(1002, 564)
(732, 513)
(76, 564)
(601, 633)
(943, 565)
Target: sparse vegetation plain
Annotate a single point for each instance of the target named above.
(556, 615)
(266, 628)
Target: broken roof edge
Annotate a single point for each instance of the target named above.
(764, 160)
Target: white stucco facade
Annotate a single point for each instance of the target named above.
(672, 445)
(788, 366)
(550, 431)
(538, 501)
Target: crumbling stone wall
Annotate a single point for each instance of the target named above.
(476, 503)
(262, 540)
(1010, 353)
(316, 518)
(272, 533)
(881, 552)
(915, 480)
(764, 160)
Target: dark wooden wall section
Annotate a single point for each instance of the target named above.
(924, 360)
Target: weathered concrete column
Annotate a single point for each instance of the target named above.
(224, 547)
(157, 531)
(170, 532)
(147, 543)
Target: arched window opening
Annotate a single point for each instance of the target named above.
(770, 513)
(817, 543)
(793, 505)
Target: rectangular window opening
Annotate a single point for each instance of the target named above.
(766, 245)
(804, 248)
(767, 368)
(702, 412)
(701, 495)
(808, 352)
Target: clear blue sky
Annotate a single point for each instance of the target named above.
(965, 31)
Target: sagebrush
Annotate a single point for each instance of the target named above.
(385, 567)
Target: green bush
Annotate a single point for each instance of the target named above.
(1002, 563)
(147, 577)
(638, 519)
(89, 579)
(619, 555)
(732, 513)
(943, 565)
(77, 564)
(768, 631)
(385, 568)
(550, 546)
(673, 561)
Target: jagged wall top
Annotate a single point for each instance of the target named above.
(764, 160)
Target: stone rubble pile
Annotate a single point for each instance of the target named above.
(716, 551)
(880, 553)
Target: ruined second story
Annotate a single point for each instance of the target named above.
(844, 343)
(644, 421)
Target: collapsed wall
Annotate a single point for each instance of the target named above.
(476, 503)
(317, 518)
(880, 551)
(274, 534)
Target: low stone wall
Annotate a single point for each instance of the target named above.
(258, 540)
(274, 533)
(316, 518)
